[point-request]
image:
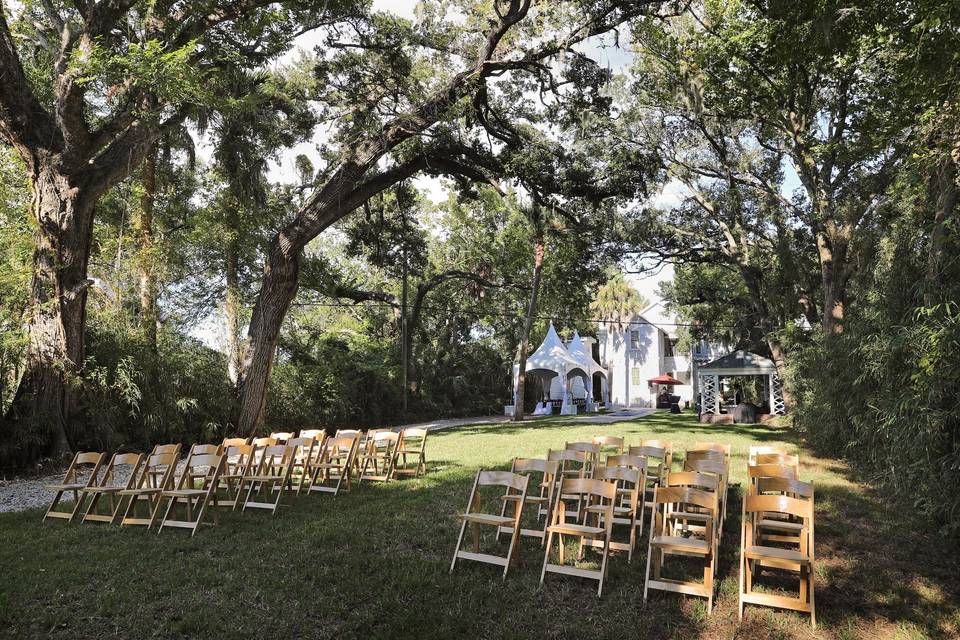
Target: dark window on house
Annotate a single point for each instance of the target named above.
(634, 340)
(668, 347)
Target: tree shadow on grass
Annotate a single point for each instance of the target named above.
(880, 569)
(375, 561)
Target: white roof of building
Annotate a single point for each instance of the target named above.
(657, 315)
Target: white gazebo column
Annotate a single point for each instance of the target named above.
(709, 396)
(777, 405)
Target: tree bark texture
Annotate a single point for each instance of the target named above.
(538, 251)
(46, 396)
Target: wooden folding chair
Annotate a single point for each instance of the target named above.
(693, 518)
(477, 518)
(233, 442)
(763, 448)
(317, 434)
(413, 443)
(773, 527)
(122, 473)
(306, 452)
(666, 540)
(195, 489)
(333, 470)
(593, 455)
(543, 500)
(659, 461)
(83, 472)
(755, 555)
(628, 508)
(156, 476)
(781, 459)
(611, 445)
(640, 464)
(282, 436)
(239, 462)
(597, 498)
(265, 441)
(712, 463)
(662, 451)
(720, 447)
(272, 476)
(573, 465)
(381, 453)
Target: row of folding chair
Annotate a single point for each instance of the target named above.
(777, 531)
(688, 513)
(382, 454)
(239, 472)
(576, 492)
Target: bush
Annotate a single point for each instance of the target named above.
(134, 398)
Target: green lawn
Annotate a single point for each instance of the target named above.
(374, 563)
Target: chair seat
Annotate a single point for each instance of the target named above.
(775, 553)
(575, 529)
(515, 497)
(103, 489)
(688, 545)
(66, 487)
(265, 478)
(691, 515)
(184, 493)
(781, 525)
(134, 492)
(486, 518)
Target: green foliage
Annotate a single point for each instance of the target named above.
(16, 246)
(170, 74)
(134, 398)
(617, 301)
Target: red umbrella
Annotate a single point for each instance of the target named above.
(665, 379)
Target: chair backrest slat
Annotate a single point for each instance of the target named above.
(779, 504)
(503, 479)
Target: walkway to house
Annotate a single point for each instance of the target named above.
(620, 415)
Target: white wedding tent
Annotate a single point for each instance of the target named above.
(564, 374)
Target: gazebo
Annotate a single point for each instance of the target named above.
(554, 365)
(739, 363)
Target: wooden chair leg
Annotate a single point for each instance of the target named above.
(463, 529)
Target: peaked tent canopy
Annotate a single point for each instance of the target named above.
(552, 355)
(580, 353)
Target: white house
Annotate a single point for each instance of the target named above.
(646, 349)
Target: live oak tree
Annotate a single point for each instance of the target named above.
(389, 90)
(88, 89)
(814, 81)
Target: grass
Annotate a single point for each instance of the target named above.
(374, 563)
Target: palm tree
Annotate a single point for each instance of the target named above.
(616, 303)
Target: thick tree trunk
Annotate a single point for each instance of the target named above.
(46, 395)
(832, 254)
(538, 251)
(279, 289)
(146, 260)
(231, 309)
